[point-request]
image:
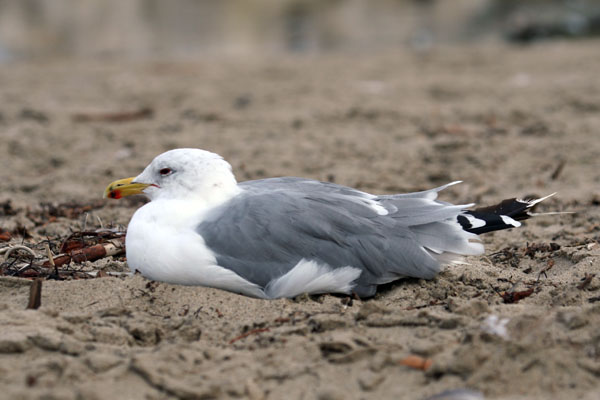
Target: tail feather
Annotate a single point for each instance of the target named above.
(503, 215)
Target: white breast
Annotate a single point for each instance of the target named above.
(163, 246)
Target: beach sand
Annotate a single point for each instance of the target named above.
(508, 121)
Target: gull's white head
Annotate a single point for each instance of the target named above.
(180, 174)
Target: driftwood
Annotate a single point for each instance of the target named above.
(246, 334)
(5, 236)
(416, 362)
(118, 116)
(111, 247)
(35, 294)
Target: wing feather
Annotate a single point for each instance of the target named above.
(273, 224)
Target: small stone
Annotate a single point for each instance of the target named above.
(458, 394)
(144, 333)
(189, 331)
(114, 312)
(76, 318)
(369, 381)
(45, 342)
(591, 366)
(331, 394)
(571, 320)
(323, 323)
(99, 362)
(111, 335)
(369, 308)
(450, 323)
(71, 347)
(51, 312)
(34, 115)
(426, 348)
(473, 308)
(13, 343)
(253, 391)
(379, 361)
(388, 322)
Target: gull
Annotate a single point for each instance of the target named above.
(283, 237)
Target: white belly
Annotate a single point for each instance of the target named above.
(162, 245)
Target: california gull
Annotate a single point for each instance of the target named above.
(282, 237)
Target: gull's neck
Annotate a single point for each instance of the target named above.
(216, 190)
(191, 203)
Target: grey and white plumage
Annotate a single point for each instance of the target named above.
(282, 237)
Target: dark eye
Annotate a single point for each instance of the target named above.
(166, 171)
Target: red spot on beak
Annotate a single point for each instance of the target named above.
(115, 194)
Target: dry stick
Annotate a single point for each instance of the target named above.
(243, 335)
(35, 295)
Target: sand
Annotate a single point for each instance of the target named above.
(501, 119)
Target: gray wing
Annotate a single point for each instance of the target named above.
(264, 232)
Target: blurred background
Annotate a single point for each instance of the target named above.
(188, 28)
(383, 95)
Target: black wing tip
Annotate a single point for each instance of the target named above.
(504, 215)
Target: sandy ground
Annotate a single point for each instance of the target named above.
(503, 120)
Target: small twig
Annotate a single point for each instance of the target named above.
(35, 294)
(515, 297)
(557, 171)
(246, 334)
(511, 296)
(431, 303)
(51, 259)
(548, 267)
(117, 116)
(587, 279)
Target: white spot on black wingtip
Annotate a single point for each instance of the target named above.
(474, 222)
(509, 221)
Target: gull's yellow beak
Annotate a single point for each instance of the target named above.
(124, 187)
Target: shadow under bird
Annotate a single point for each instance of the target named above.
(282, 237)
